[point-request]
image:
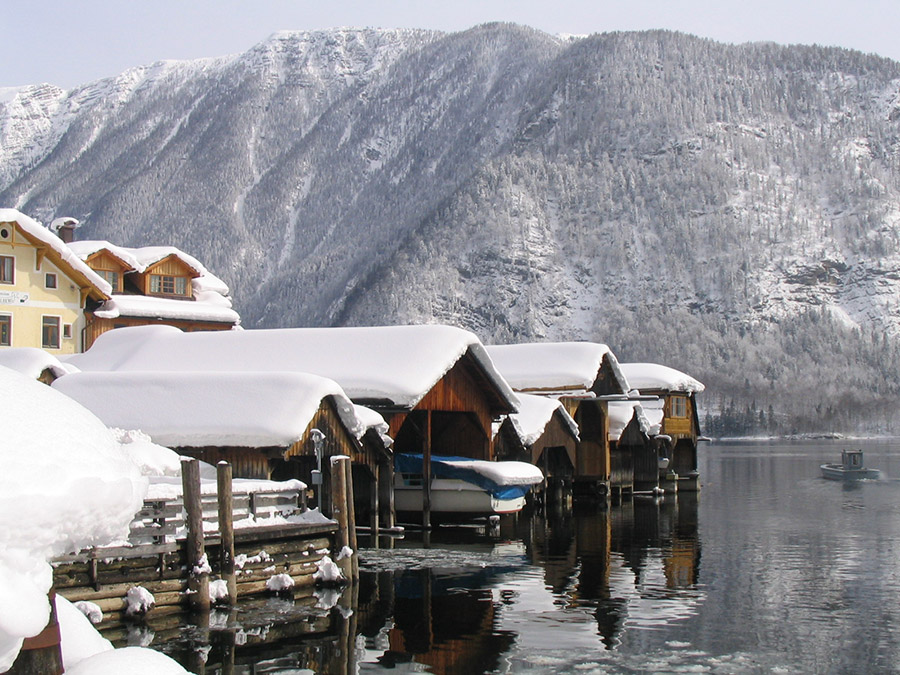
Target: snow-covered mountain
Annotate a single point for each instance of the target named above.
(733, 211)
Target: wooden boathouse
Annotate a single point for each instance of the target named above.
(544, 434)
(435, 386)
(637, 449)
(584, 376)
(680, 423)
(265, 425)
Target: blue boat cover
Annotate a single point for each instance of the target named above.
(410, 463)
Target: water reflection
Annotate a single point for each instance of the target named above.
(795, 574)
(468, 600)
(633, 566)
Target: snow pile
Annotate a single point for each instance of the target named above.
(130, 660)
(399, 364)
(218, 590)
(32, 362)
(207, 307)
(151, 459)
(90, 610)
(501, 473)
(535, 412)
(560, 367)
(78, 638)
(236, 409)
(138, 601)
(655, 377)
(327, 571)
(346, 552)
(65, 485)
(279, 583)
(202, 566)
(242, 559)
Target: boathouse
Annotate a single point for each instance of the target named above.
(638, 453)
(274, 426)
(544, 434)
(435, 386)
(680, 422)
(584, 376)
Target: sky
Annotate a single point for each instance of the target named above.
(72, 42)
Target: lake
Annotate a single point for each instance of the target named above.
(769, 569)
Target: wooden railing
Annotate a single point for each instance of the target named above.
(162, 520)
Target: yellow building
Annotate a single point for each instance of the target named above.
(44, 288)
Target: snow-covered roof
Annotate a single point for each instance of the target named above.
(32, 362)
(649, 414)
(65, 484)
(398, 365)
(655, 377)
(535, 412)
(563, 367)
(34, 230)
(197, 409)
(139, 259)
(212, 307)
(372, 419)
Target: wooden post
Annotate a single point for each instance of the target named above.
(340, 513)
(226, 528)
(426, 475)
(374, 507)
(386, 493)
(41, 654)
(198, 576)
(351, 519)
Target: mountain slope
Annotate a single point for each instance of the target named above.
(733, 211)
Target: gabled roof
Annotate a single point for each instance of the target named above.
(138, 259)
(59, 253)
(556, 367)
(535, 413)
(652, 377)
(383, 365)
(85, 249)
(649, 415)
(199, 409)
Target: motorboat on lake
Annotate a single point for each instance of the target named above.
(850, 468)
(463, 487)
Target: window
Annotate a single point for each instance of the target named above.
(49, 280)
(168, 285)
(50, 332)
(67, 331)
(5, 330)
(679, 406)
(7, 269)
(111, 277)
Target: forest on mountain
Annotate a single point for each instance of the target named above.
(731, 211)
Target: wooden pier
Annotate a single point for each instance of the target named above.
(176, 546)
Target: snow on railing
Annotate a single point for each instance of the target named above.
(161, 520)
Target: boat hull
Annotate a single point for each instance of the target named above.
(457, 497)
(838, 472)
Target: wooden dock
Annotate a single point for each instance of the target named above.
(166, 560)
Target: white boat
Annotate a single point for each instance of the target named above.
(850, 468)
(463, 487)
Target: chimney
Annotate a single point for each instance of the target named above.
(65, 228)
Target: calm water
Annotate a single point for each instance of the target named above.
(770, 569)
